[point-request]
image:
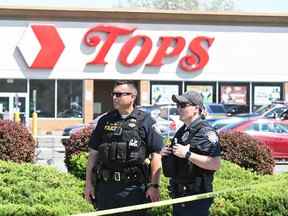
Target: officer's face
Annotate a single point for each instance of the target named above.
(123, 97)
(187, 112)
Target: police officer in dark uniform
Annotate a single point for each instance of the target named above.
(193, 157)
(118, 151)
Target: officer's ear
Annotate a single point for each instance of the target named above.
(134, 96)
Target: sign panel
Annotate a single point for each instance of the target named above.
(205, 90)
(234, 94)
(146, 51)
(161, 94)
(266, 94)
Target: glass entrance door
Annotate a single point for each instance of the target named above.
(13, 102)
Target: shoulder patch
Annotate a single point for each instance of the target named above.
(212, 136)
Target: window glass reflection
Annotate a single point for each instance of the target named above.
(69, 99)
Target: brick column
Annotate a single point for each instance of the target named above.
(285, 96)
(144, 92)
(88, 100)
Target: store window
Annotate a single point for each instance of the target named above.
(13, 85)
(161, 92)
(69, 98)
(235, 97)
(264, 94)
(42, 97)
(207, 90)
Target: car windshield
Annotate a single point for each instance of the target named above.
(163, 111)
(167, 111)
(264, 108)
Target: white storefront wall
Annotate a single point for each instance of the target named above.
(238, 53)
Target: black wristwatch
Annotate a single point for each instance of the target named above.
(154, 185)
(188, 155)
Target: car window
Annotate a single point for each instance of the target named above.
(275, 112)
(253, 127)
(264, 108)
(281, 128)
(261, 127)
(216, 108)
(267, 127)
(284, 114)
(166, 111)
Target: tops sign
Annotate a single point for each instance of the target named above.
(51, 47)
(190, 63)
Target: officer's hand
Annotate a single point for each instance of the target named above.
(89, 192)
(153, 194)
(166, 150)
(180, 150)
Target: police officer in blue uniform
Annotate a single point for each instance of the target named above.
(193, 157)
(118, 151)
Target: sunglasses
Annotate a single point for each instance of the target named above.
(120, 94)
(183, 105)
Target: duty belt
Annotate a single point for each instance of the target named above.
(182, 188)
(129, 175)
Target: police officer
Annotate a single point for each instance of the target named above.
(118, 149)
(193, 157)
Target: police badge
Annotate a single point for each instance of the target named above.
(212, 137)
(131, 125)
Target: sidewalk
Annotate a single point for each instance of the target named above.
(50, 151)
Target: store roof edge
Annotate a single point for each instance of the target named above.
(137, 15)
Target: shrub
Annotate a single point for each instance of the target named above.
(78, 163)
(262, 199)
(16, 143)
(76, 144)
(247, 152)
(34, 190)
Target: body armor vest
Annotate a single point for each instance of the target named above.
(181, 169)
(123, 142)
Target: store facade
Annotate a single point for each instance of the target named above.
(62, 63)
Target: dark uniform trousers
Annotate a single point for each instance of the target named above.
(119, 194)
(195, 208)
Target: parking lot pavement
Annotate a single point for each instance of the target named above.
(281, 167)
(50, 151)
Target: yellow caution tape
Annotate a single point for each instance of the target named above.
(170, 201)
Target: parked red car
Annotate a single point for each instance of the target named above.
(272, 132)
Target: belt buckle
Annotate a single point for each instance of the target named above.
(117, 176)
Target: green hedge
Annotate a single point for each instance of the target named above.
(268, 198)
(264, 201)
(29, 189)
(36, 190)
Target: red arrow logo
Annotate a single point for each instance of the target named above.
(45, 54)
(51, 46)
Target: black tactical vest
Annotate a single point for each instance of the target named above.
(123, 142)
(181, 169)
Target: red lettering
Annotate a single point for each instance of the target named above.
(166, 42)
(199, 57)
(169, 47)
(128, 47)
(112, 33)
